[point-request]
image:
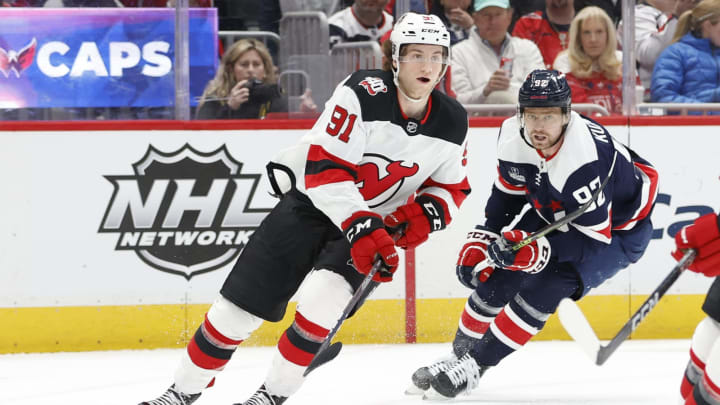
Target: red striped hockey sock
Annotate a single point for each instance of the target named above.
(514, 326)
(693, 373)
(210, 349)
(474, 322)
(301, 340)
(706, 392)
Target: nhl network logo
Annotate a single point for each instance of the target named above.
(184, 212)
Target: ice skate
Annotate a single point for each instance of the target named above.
(422, 376)
(173, 397)
(263, 397)
(462, 376)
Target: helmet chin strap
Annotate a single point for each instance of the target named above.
(412, 100)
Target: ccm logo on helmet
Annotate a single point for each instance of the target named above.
(432, 31)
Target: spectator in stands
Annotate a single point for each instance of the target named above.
(245, 85)
(20, 3)
(490, 66)
(523, 7)
(77, 3)
(271, 11)
(164, 3)
(592, 62)
(548, 28)
(365, 20)
(416, 6)
(455, 14)
(613, 8)
(655, 22)
(688, 71)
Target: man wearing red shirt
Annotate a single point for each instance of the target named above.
(547, 29)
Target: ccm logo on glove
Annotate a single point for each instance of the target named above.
(368, 241)
(531, 258)
(356, 230)
(473, 252)
(426, 214)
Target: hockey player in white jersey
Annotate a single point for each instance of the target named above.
(701, 380)
(553, 160)
(384, 137)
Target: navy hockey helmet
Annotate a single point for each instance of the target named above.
(545, 88)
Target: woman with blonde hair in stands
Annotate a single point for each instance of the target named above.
(245, 85)
(688, 71)
(592, 63)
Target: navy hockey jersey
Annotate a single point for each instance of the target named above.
(364, 153)
(560, 184)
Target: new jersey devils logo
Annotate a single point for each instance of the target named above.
(374, 85)
(380, 178)
(12, 61)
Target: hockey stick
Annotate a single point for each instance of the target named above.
(552, 226)
(328, 352)
(578, 327)
(324, 356)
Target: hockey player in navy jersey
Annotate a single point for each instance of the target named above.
(551, 160)
(384, 137)
(701, 381)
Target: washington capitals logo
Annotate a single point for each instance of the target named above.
(379, 178)
(17, 62)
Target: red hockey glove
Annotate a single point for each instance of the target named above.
(704, 236)
(368, 239)
(531, 258)
(473, 252)
(425, 215)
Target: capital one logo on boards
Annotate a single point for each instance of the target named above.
(152, 57)
(184, 212)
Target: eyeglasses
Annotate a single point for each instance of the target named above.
(416, 58)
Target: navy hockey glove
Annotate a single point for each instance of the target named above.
(368, 241)
(531, 258)
(427, 214)
(473, 252)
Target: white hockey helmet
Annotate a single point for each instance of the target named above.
(413, 28)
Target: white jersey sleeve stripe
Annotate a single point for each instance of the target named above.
(599, 232)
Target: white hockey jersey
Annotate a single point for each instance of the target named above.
(365, 154)
(345, 27)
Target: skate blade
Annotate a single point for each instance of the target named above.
(432, 395)
(413, 389)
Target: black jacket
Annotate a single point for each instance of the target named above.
(217, 110)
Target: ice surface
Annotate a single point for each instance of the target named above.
(640, 372)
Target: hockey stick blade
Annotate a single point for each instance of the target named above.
(324, 357)
(552, 226)
(577, 326)
(321, 357)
